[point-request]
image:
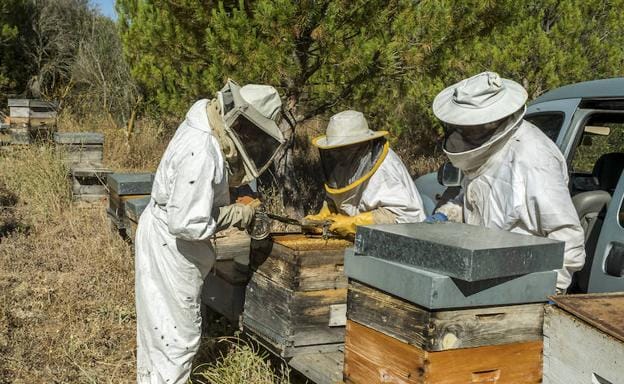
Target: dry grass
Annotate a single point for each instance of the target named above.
(241, 362)
(66, 303)
(66, 288)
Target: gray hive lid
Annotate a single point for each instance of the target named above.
(78, 138)
(33, 103)
(19, 103)
(130, 183)
(135, 207)
(466, 252)
(435, 291)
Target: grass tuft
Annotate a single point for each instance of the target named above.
(242, 363)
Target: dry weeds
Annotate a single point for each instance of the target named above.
(241, 362)
(66, 287)
(66, 302)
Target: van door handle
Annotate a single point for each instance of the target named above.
(614, 265)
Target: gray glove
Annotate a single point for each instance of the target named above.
(235, 215)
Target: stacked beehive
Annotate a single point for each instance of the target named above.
(83, 153)
(31, 120)
(295, 302)
(124, 187)
(85, 148)
(447, 303)
(134, 209)
(584, 339)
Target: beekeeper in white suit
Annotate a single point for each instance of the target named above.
(515, 177)
(366, 181)
(223, 142)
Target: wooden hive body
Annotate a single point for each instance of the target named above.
(123, 187)
(31, 120)
(443, 329)
(224, 289)
(584, 340)
(296, 300)
(88, 183)
(81, 147)
(372, 357)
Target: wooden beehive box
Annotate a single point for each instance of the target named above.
(224, 289)
(427, 307)
(31, 120)
(296, 300)
(81, 147)
(89, 183)
(442, 330)
(374, 357)
(391, 340)
(123, 187)
(134, 208)
(584, 339)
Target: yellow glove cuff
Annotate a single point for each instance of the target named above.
(347, 225)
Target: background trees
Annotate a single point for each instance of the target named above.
(64, 50)
(388, 58)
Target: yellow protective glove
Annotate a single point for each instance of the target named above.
(323, 214)
(346, 225)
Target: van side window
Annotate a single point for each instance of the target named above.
(602, 146)
(549, 122)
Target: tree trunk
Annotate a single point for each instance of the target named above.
(285, 175)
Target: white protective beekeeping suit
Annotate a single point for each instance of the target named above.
(391, 187)
(190, 203)
(517, 179)
(365, 180)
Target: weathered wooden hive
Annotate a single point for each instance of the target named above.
(31, 120)
(584, 339)
(448, 303)
(296, 300)
(81, 147)
(123, 187)
(134, 208)
(88, 182)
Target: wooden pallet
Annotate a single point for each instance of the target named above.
(446, 329)
(320, 368)
(373, 357)
(296, 300)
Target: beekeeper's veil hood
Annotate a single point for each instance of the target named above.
(350, 152)
(479, 115)
(250, 137)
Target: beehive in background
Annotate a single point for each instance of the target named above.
(89, 183)
(123, 187)
(427, 305)
(584, 339)
(31, 120)
(133, 210)
(296, 300)
(81, 147)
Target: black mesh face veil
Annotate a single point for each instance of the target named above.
(259, 146)
(466, 138)
(343, 166)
